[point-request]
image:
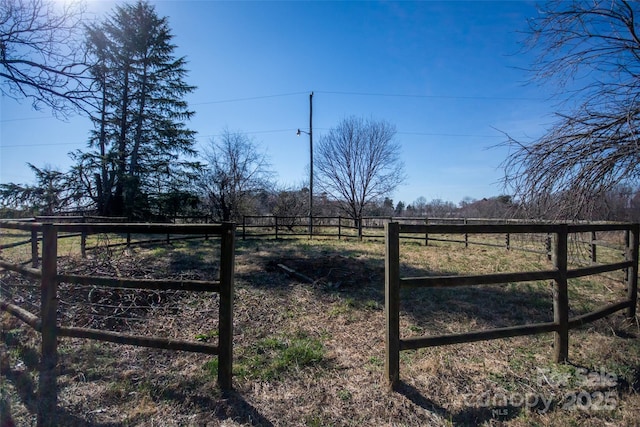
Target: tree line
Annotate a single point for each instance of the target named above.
(123, 74)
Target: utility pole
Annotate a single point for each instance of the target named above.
(310, 133)
(311, 165)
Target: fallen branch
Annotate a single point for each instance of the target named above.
(295, 274)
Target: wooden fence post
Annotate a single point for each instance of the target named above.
(359, 221)
(594, 247)
(627, 244)
(83, 239)
(34, 249)
(225, 332)
(276, 220)
(47, 387)
(548, 247)
(392, 303)
(83, 244)
(244, 227)
(560, 297)
(466, 236)
(632, 272)
(426, 235)
(508, 241)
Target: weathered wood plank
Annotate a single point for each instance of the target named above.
(47, 380)
(632, 271)
(584, 228)
(467, 337)
(34, 273)
(157, 284)
(137, 340)
(22, 314)
(583, 319)
(561, 298)
(14, 244)
(392, 304)
(225, 331)
(597, 269)
(486, 279)
(142, 228)
(478, 228)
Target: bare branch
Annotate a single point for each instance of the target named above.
(358, 162)
(592, 51)
(41, 55)
(235, 171)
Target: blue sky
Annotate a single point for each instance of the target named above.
(449, 75)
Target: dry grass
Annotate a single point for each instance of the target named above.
(313, 353)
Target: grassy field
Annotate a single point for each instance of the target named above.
(312, 353)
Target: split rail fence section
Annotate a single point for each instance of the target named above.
(278, 227)
(47, 323)
(559, 275)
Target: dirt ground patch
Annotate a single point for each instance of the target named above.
(335, 271)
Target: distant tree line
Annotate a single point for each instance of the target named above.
(47, 199)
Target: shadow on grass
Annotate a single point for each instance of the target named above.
(469, 416)
(231, 405)
(192, 256)
(22, 381)
(235, 407)
(27, 391)
(67, 419)
(488, 306)
(631, 383)
(359, 278)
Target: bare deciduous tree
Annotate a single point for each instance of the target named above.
(290, 205)
(358, 162)
(590, 49)
(40, 53)
(234, 173)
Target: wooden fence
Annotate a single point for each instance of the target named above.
(260, 226)
(559, 274)
(46, 323)
(131, 238)
(372, 227)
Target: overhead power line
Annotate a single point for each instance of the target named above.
(329, 92)
(290, 130)
(458, 135)
(41, 145)
(252, 98)
(20, 119)
(400, 95)
(395, 95)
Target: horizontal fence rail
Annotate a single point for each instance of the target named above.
(46, 323)
(278, 227)
(182, 231)
(560, 274)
